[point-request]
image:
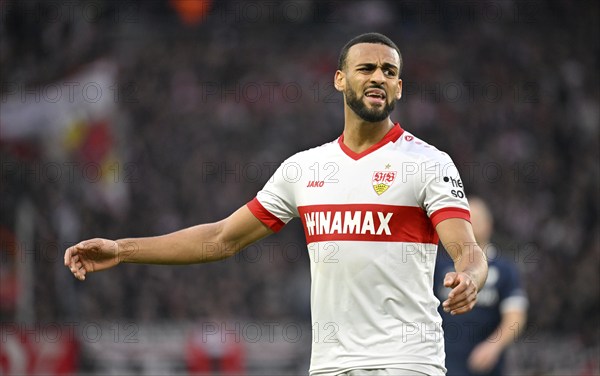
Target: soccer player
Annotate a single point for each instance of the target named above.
(374, 204)
(475, 343)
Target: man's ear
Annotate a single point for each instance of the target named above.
(339, 80)
(399, 93)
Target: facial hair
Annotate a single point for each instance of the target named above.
(371, 115)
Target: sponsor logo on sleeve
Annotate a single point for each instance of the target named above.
(457, 184)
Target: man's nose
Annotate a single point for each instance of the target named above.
(378, 76)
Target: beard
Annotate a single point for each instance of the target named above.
(371, 115)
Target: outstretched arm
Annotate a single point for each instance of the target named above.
(197, 244)
(469, 262)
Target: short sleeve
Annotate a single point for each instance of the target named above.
(275, 204)
(441, 190)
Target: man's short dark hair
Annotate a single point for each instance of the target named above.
(375, 38)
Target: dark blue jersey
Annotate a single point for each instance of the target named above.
(462, 333)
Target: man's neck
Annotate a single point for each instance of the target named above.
(361, 135)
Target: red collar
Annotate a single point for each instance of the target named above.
(392, 136)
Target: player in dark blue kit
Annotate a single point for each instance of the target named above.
(475, 342)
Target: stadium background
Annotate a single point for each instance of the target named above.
(138, 118)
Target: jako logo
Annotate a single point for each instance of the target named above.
(315, 183)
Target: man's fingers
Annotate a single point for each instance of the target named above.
(464, 284)
(79, 271)
(463, 295)
(74, 251)
(459, 302)
(71, 251)
(464, 305)
(80, 276)
(73, 260)
(463, 309)
(460, 289)
(450, 279)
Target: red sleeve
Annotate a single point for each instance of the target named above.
(447, 213)
(265, 216)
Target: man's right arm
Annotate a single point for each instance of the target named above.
(197, 244)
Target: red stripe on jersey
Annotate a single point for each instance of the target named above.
(265, 216)
(367, 222)
(392, 136)
(446, 213)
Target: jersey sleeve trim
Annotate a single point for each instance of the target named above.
(265, 216)
(447, 213)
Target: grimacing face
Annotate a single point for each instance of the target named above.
(370, 81)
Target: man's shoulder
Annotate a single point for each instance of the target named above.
(419, 149)
(315, 152)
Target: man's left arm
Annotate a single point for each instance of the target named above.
(470, 264)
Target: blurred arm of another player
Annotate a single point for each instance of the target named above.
(470, 264)
(485, 355)
(197, 244)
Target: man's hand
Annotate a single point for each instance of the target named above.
(91, 256)
(484, 356)
(463, 296)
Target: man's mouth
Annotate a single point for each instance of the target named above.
(375, 96)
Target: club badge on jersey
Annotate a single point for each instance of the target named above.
(382, 180)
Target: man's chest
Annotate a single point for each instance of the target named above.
(381, 181)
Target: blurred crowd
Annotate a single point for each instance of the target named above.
(211, 106)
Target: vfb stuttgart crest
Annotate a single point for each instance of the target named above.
(382, 180)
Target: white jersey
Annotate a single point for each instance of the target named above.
(369, 221)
